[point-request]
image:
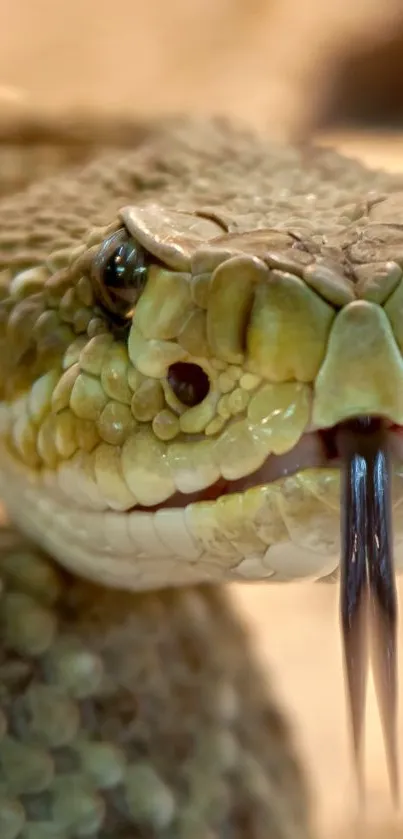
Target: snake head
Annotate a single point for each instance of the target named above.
(199, 396)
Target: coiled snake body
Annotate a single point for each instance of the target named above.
(182, 325)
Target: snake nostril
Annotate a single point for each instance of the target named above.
(189, 383)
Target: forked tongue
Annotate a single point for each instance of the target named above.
(368, 588)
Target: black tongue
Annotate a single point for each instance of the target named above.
(368, 588)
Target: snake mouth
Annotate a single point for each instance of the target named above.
(315, 449)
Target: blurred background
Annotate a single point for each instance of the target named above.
(297, 68)
(288, 64)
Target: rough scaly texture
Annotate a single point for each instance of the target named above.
(133, 715)
(257, 269)
(122, 714)
(256, 258)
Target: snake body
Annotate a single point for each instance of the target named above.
(180, 325)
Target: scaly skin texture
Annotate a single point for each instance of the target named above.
(125, 714)
(275, 272)
(134, 715)
(289, 255)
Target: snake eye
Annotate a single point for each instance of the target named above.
(189, 383)
(119, 274)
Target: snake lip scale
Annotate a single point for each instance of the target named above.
(315, 449)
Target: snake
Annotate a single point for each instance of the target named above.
(201, 383)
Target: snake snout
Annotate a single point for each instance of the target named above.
(351, 381)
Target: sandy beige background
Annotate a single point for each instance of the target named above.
(271, 62)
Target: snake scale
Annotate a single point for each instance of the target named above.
(182, 325)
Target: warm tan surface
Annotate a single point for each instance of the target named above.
(273, 61)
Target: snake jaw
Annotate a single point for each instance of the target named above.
(368, 589)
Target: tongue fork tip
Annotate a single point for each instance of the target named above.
(368, 589)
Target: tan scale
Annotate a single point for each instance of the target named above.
(278, 275)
